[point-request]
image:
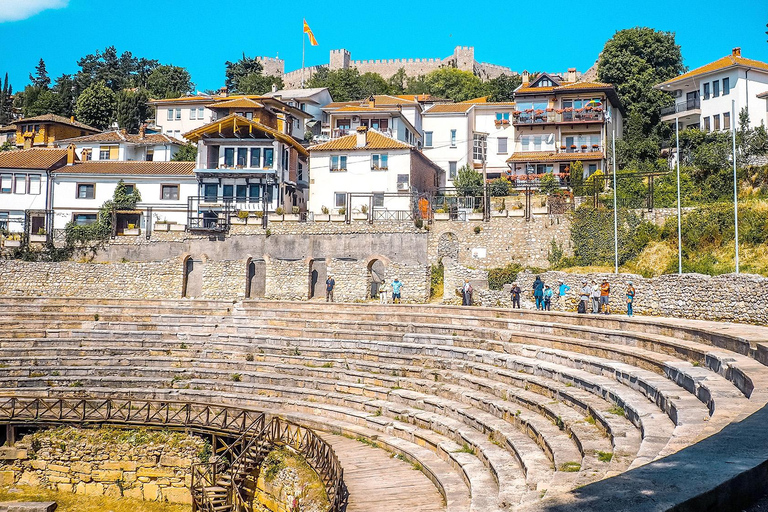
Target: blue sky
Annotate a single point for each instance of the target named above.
(202, 35)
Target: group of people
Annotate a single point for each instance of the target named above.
(396, 287)
(594, 295)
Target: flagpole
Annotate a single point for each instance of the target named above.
(303, 45)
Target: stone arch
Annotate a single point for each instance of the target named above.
(448, 246)
(192, 282)
(255, 277)
(376, 275)
(318, 273)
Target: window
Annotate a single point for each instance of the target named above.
(592, 169)
(453, 138)
(34, 184)
(428, 139)
(502, 145)
(706, 91)
(210, 191)
(109, 152)
(380, 162)
(228, 191)
(303, 107)
(502, 117)
(300, 172)
(129, 188)
(178, 114)
(378, 199)
(537, 142)
(402, 182)
(242, 157)
(254, 191)
(20, 184)
(726, 120)
(83, 219)
(169, 192)
(286, 159)
(452, 170)
(241, 192)
(6, 181)
(716, 88)
(706, 124)
(726, 86)
(86, 190)
(478, 147)
(193, 113)
(544, 82)
(255, 158)
(268, 156)
(340, 199)
(716, 122)
(170, 114)
(4, 219)
(229, 157)
(338, 163)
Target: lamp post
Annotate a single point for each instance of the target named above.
(735, 185)
(679, 217)
(615, 208)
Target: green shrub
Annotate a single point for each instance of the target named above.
(498, 277)
(468, 182)
(548, 184)
(279, 210)
(436, 277)
(500, 187)
(242, 214)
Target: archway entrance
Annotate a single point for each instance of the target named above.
(448, 246)
(255, 279)
(318, 273)
(376, 276)
(193, 278)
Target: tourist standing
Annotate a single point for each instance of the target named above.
(630, 299)
(605, 295)
(515, 294)
(383, 292)
(538, 293)
(466, 293)
(330, 284)
(595, 298)
(397, 285)
(547, 297)
(584, 295)
(562, 289)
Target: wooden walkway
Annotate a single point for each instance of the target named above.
(378, 482)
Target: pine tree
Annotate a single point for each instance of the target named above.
(40, 78)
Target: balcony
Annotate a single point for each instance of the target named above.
(341, 132)
(682, 106)
(553, 116)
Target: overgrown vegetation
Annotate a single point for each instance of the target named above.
(436, 280)
(498, 277)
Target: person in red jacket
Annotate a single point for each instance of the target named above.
(605, 293)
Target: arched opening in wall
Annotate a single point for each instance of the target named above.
(448, 246)
(318, 274)
(192, 284)
(256, 278)
(376, 272)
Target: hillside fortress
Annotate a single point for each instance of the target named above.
(463, 58)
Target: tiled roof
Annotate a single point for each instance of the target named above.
(482, 99)
(361, 108)
(419, 97)
(200, 98)
(450, 108)
(583, 85)
(725, 62)
(35, 158)
(236, 103)
(53, 118)
(131, 168)
(241, 121)
(526, 89)
(386, 99)
(551, 156)
(763, 95)
(118, 136)
(376, 140)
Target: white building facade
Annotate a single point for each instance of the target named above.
(117, 146)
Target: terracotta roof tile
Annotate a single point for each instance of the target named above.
(376, 140)
(482, 99)
(35, 158)
(525, 89)
(241, 121)
(116, 136)
(236, 103)
(53, 118)
(362, 108)
(551, 156)
(450, 108)
(725, 62)
(583, 85)
(132, 168)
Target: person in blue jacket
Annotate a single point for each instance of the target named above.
(538, 292)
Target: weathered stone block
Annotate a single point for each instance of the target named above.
(154, 472)
(94, 489)
(106, 475)
(7, 478)
(177, 495)
(150, 492)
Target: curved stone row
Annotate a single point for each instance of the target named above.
(498, 408)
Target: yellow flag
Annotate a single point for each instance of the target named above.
(308, 31)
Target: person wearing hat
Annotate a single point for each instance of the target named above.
(547, 297)
(330, 284)
(562, 289)
(397, 285)
(630, 299)
(595, 297)
(515, 295)
(605, 296)
(584, 295)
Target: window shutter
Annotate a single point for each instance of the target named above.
(114, 152)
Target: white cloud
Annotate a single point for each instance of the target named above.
(15, 10)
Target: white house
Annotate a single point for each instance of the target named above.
(398, 117)
(25, 188)
(369, 171)
(117, 145)
(310, 101)
(704, 96)
(81, 189)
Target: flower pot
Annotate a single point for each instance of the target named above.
(442, 216)
(132, 232)
(517, 213)
(322, 217)
(291, 217)
(273, 217)
(254, 221)
(38, 239)
(238, 221)
(177, 227)
(13, 243)
(475, 216)
(161, 226)
(499, 214)
(337, 217)
(360, 216)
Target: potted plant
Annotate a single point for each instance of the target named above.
(324, 216)
(517, 210)
(13, 240)
(362, 214)
(501, 211)
(477, 214)
(294, 215)
(441, 214)
(341, 216)
(173, 226)
(161, 225)
(38, 238)
(240, 219)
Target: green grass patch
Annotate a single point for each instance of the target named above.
(604, 456)
(570, 467)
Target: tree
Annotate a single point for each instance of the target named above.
(38, 101)
(549, 184)
(634, 60)
(577, 178)
(66, 89)
(502, 88)
(186, 153)
(235, 71)
(169, 82)
(6, 102)
(132, 109)
(96, 106)
(40, 78)
(373, 84)
(397, 82)
(117, 72)
(500, 187)
(342, 84)
(468, 182)
(454, 84)
(258, 84)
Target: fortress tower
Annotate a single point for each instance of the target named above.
(464, 57)
(339, 59)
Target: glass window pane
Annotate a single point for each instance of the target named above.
(255, 157)
(384, 161)
(242, 156)
(228, 191)
(170, 114)
(21, 184)
(241, 192)
(268, 154)
(229, 157)
(34, 184)
(254, 191)
(211, 190)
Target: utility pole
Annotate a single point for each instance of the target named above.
(481, 145)
(679, 213)
(735, 184)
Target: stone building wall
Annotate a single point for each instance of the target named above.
(287, 279)
(454, 275)
(92, 466)
(140, 280)
(415, 279)
(224, 280)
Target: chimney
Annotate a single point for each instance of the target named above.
(362, 136)
(274, 87)
(71, 154)
(143, 131)
(526, 77)
(571, 75)
(736, 51)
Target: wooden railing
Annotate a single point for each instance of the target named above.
(248, 428)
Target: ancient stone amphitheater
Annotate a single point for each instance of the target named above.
(413, 407)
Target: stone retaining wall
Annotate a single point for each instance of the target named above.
(92, 466)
